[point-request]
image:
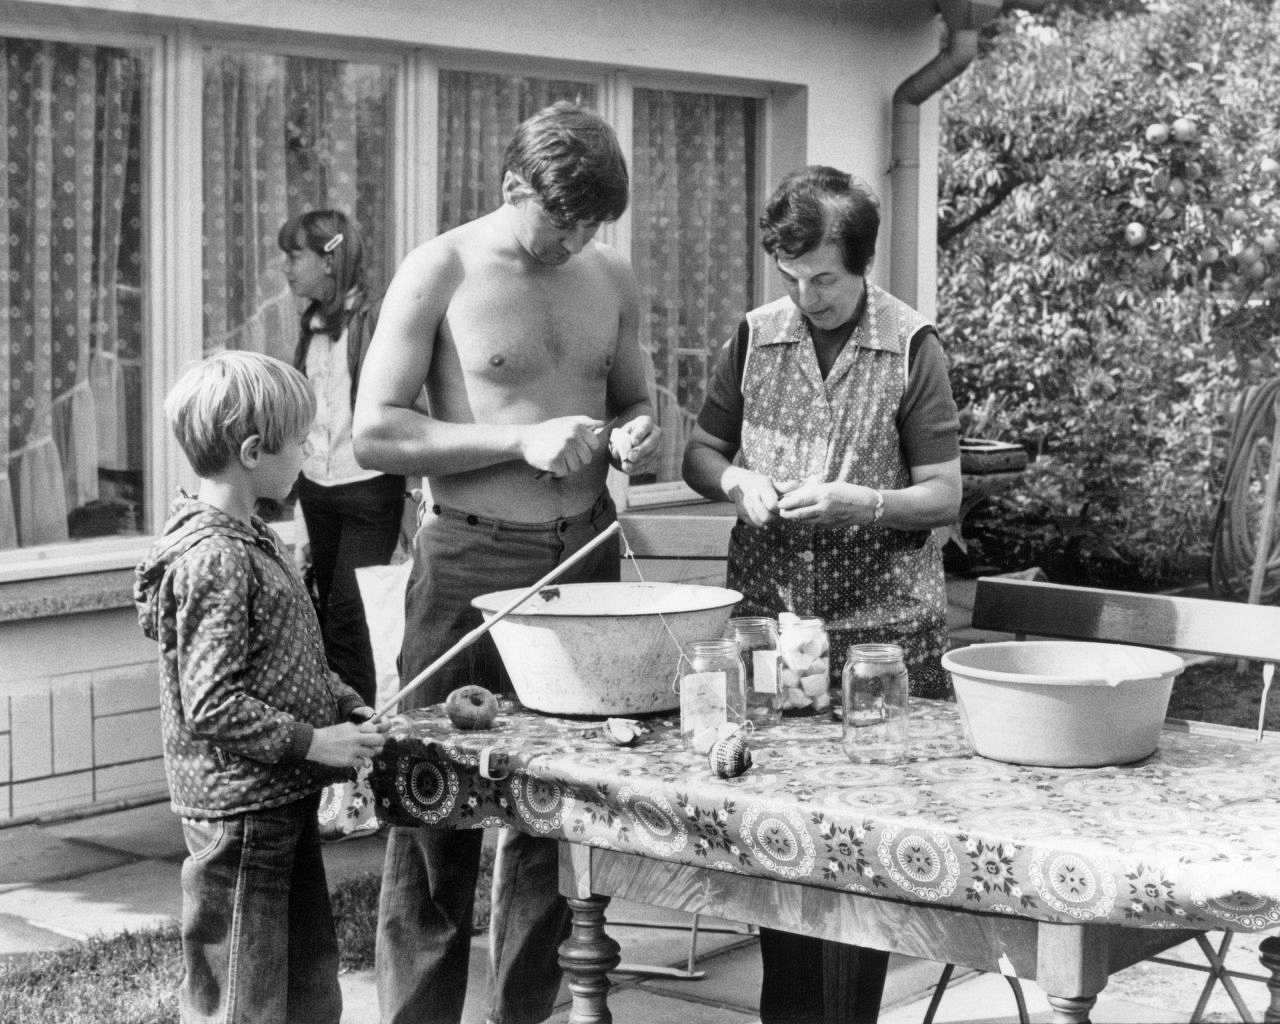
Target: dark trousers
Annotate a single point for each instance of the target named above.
(349, 526)
(258, 941)
(811, 981)
(429, 877)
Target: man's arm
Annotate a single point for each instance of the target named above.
(391, 434)
(633, 442)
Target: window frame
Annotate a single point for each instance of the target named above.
(172, 308)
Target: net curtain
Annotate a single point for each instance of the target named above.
(691, 244)
(64, 174)
(478, 112)
(284, 135)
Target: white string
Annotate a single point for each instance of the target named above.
(628, 553)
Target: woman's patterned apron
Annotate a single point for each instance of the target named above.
(869, 583)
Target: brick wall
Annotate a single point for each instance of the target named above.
(79, 714)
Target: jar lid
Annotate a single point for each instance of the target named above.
(875, 652)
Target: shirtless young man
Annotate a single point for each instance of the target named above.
(523, 332)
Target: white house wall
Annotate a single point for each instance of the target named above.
(78, 691)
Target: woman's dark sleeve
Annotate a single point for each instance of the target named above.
(721, 414)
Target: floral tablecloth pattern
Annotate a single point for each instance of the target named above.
(1189, 837)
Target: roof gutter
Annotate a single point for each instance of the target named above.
(963, 19)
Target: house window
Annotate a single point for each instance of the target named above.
(693, 243)
(479, 113)
(72, 275)
(282, 135)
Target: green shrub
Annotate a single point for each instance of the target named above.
(1114, 355)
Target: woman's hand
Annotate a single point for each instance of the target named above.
(826, 504)
(753, 493)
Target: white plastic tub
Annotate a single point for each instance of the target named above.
(1062, 703)
(603, 648)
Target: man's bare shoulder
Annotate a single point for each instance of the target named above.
(617, 267)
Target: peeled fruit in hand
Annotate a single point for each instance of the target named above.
(471, 707)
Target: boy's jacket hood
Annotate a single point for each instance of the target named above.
(190, 521)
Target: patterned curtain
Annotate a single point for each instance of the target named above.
(284, 135)
(70, 193)
(693, 217)
(478, 114)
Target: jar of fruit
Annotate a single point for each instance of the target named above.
(757, 639)
(803, 678)
(712, 693)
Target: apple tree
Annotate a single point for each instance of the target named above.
(1109, 272)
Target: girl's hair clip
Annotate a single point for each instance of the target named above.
(333, 243)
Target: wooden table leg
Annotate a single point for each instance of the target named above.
(1071, 1009)
(1270, 957)
(587, 956)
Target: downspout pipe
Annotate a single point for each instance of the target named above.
(964, 20)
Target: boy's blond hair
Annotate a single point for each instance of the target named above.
(231, 396)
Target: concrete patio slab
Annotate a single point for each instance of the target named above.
(31, 855)
(152, 832)
(137, 896)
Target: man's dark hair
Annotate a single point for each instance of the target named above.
(820, 204)
(571, 159)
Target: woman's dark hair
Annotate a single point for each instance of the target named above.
(819, 204)
(333, 234)
(571, 159)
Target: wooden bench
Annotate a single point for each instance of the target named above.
(1191, 625)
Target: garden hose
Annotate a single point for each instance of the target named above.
(1235, 540)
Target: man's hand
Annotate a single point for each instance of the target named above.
(562, 446)
(347, 745)
(826, 504)
(753, 493)
(634, 445)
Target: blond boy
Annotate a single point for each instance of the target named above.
(254, 723)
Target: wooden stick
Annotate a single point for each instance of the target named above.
(488, 624)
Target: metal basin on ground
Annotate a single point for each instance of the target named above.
(603, 648)
(1062, 703)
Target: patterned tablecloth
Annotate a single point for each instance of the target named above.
(1190, 837)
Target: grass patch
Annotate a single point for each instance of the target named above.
(128, 979)
(133, 978)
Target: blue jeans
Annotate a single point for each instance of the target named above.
(258, 941)
(429, 878)
(349, 526)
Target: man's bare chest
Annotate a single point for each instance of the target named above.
(518, 332)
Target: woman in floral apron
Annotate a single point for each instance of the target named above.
(829, 422)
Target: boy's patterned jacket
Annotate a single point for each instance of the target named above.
(244, 681)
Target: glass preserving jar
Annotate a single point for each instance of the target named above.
(876, 712)
(712, 693)
(803, 676)
(757, 639)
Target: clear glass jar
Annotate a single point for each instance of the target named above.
(876, 713)
(804, 672)
(712, 693)
(757, 639)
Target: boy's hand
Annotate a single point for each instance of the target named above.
(347, 745)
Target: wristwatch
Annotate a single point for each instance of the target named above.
(878, 511)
